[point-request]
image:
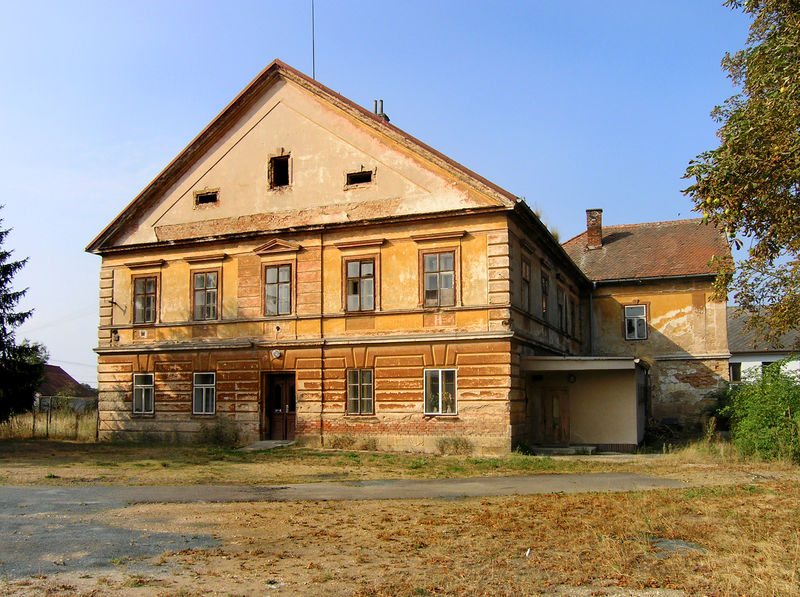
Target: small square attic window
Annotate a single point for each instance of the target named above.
(362, 177)
(206, 198)
(279, 171)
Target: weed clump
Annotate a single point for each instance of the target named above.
(368, 443)
(454, 445)
(222, 432)
(765, 415)
(343, 442)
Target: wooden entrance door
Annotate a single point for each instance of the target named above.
(555, 416)
(279, 406)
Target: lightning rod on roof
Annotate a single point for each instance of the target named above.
(313, 56)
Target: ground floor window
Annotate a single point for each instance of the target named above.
(735, 372)
(204, 391)
(143, 393)
(359, 392)
(440, 391)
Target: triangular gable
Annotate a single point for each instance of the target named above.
(277, 245)
(476, 191)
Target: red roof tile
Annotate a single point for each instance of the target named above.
(56, 380)
(652, 250)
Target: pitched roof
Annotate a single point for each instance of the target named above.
(741, 340)
(232, 112)
(57, 380)
(679, 248)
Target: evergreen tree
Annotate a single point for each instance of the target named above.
(21, 365)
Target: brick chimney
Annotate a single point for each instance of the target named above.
(594, 228)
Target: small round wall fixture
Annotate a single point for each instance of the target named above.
(571, 378)
(276, 353)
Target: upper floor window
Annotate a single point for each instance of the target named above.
(279, 171)
(572, 322)
(144, 299)
(635, 322)
(143, 394)
(439, 279)
(204, 394)
(545, 294)
(440, 391)
(206, 198)
(278, 289)
(361, 177)
(205, 294)
(526, 285)
(562, 308)
(359, 392)
(360, 285)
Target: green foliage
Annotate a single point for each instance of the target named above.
(222, 432)
(21, 365)
(765, 415)
(750, 185)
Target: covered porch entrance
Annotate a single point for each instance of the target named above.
(583, 401)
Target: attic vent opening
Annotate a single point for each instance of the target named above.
(363, 177)
(279, 171)
(207, 198)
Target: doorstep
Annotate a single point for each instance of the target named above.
(266, 444)
(564, 450)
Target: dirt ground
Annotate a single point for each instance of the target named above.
(739, 534)
(731, 540)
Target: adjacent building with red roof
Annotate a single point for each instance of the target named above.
(652, 300)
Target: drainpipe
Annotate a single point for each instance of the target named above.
(591, 319)
(321, 334)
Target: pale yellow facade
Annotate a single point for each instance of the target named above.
(465, 285)
(686, 347)
(217, 211)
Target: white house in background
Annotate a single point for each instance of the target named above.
(749, 354)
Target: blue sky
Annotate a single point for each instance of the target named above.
(570, 104)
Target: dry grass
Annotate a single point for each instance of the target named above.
(61, 463)
(37, 462)
(741, 540)
(738, 535)
(62, 424)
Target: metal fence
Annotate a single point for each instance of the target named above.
(65, 417)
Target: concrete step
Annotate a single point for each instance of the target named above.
(564, 450)
(265, 445)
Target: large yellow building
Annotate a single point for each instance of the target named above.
(309, 271)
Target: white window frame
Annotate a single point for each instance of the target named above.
(439, 374)
(142, 391)
(208, 394)
(636, 319)
(356, 385)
